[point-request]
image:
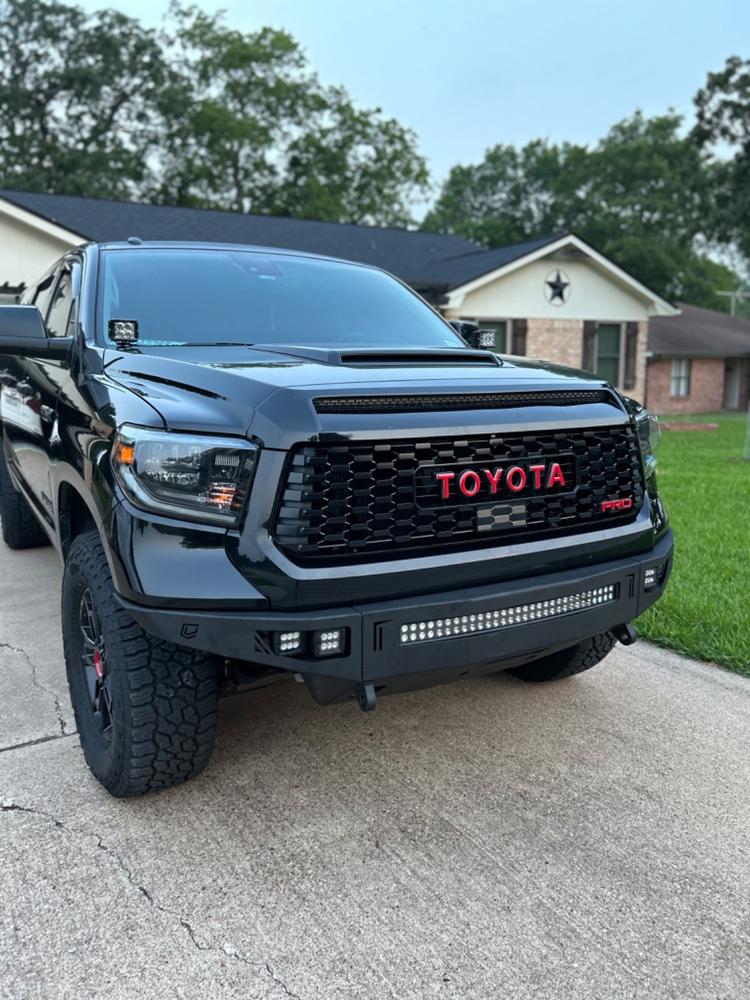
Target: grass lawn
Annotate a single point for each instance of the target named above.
(705, 610)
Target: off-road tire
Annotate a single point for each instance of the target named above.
(567, 662)
(163, 697)
(21, 530)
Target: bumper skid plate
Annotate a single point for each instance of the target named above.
(409, 643)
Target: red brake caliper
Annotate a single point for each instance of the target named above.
(98, 664)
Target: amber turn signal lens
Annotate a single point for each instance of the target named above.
(124, 452)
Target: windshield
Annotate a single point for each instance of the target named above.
(248, 297)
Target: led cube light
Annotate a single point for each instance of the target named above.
(329, 642)
(288, 642)
(650, 577)
(521, 614)
(123, 331)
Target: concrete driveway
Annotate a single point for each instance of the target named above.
(489, 840)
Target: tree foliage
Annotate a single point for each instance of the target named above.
(641, 196)
(78, 99)
(194, 114)
(723, 123)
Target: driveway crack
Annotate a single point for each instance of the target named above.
(38, 684)
(262, 967)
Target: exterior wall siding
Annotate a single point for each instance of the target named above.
(26, 252)
(706, 387)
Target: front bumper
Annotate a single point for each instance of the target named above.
(385, 649)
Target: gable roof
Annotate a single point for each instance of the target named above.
(698, 332)
(569, 243)
(405, 252)
(433, 263)
(457, 270)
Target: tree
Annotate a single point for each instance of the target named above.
(353, 166)
(253, 129)
(641, 196)
(77, 99)
(723, 121)
(195, 114)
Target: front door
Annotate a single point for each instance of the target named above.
(732, 379)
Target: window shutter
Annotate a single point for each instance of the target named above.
(588, 357)
(518, 337)
(631, 353)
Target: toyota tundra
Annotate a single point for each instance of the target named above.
(254, 461)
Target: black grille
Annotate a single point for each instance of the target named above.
(359, 500)
(457, 401)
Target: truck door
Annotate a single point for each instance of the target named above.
(30, 390)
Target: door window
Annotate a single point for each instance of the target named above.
(41, 295)
(59, 310)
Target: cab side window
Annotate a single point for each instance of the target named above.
(40, 294)
(60, 307)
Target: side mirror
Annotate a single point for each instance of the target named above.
(472, 335)
(22, 334)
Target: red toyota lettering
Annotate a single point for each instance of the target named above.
(445, 483)
(463, 483)
(516, 478)
(556, 477)
(537, 470)
(494, 478)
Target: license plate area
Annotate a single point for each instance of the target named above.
(481, 483)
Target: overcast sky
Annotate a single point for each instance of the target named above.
(466, 74)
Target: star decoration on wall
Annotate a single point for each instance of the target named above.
(557, 287)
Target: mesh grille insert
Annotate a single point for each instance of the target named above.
(359, 500)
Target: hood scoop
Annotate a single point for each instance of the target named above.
(367, 357)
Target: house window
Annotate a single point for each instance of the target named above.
(681, 377)
(608, 352)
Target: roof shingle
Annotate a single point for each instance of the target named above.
(698, 332)
(421, 258)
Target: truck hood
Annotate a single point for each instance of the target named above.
(270, 393)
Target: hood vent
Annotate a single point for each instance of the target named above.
(458, 401)
(374, 358)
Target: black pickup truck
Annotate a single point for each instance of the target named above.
(255, 460)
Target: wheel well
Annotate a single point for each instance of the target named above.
(74, 516)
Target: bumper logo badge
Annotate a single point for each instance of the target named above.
(625, 503)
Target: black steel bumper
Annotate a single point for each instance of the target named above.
(378, 653)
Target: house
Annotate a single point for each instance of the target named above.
(555, 297)
(698, 362)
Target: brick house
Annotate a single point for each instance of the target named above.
(698, 362)
(555, 298)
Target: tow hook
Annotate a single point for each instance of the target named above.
(625, 634)
(366, 697)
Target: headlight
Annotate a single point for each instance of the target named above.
(649, 436)
(185, 475)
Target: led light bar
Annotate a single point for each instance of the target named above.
(521, 614)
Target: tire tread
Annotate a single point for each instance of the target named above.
(567, 662)
(170, 715)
